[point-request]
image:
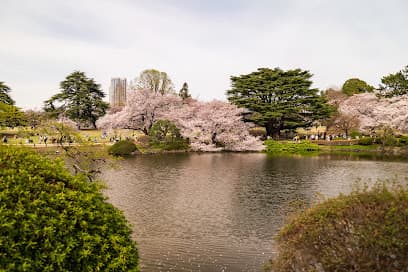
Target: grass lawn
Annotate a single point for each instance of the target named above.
(20, 135)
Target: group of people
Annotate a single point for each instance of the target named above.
(324, 136)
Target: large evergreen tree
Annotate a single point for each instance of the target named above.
(80, 99)
(279, 99)
(395, 84)
(4, 94)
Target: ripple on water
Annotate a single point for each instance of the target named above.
(220, 212)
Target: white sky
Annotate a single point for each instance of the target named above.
(200, 42)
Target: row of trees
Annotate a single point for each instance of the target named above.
(276, 99)
(391, 85)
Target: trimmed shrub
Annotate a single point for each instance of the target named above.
(53, 221)
(366, 141)
(276, 147)
(122, 148)
(166, 136)
(364, 231)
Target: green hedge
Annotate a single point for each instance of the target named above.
(122, 148)
(276, 147)
(364, 231)
(53, 221)
(366, 141)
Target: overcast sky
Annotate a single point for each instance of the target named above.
(200, 42)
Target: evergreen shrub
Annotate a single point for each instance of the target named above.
(51, 220)
(366, 141)
(364, 231)
(122, 148)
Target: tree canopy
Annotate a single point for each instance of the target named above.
(278, 99)
(395, 84)
(154, 80)
(80, 99)
(4, 94)
(356, 86)
(11, 116)
(51, 220)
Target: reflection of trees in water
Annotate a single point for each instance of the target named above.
(266, 190)
(198, 206)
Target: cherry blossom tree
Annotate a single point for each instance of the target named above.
(215, 126)
(143, 108)
(373, 111)
(210, 126)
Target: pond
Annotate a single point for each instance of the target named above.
(220, 212)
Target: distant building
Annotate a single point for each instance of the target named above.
(117, 92)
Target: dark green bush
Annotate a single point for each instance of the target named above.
(387, 141)
(355, 133)
(122, 148)
(53, 221)
(166, 136)
(403, 141)
(276, 147)
(364, 231)
(366, 141)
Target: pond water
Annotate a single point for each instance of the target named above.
(220, 212)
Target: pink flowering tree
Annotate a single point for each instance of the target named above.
(373, 111)
(210, 126)
(214, 126)
(143, 108)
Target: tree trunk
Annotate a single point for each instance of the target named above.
(272, 130)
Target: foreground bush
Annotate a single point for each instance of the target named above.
(364, 231)
(53, 221)
(122, 148)
(276, 147)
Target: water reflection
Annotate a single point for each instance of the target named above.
(219, 212)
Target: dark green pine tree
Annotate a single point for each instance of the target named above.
(80, 100)
(4, 94)
(395, 84)
(279, 99)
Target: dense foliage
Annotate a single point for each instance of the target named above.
(80, 99)
(122, 148)
(53, 221)
(395, 84)
(276, 147)
(355, 86)
(11, 116)
(4, 94)
(279, 99)
(165, 135)
(364, 231)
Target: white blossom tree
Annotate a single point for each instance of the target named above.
(143, 108)
(373, 111)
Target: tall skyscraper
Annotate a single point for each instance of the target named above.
(117, 92)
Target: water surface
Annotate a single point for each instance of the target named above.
(220, 212)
